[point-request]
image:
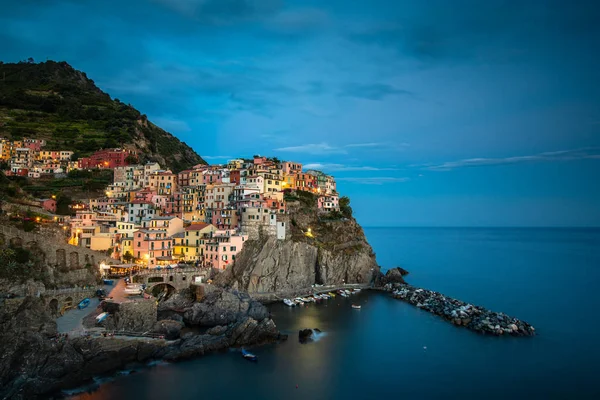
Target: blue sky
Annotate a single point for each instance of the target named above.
(435, 113)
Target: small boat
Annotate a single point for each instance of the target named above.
(101, 317)
(289, 302)
(83, 303)
(347, 292)
(299, 300)
(108, 281)
(344, 294)
(249, 356)
(325, 296)
(356, 290)
(356, 306)
(331, 294)
(307, 299)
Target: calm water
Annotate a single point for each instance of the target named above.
(546, 277)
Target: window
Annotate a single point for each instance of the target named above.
(232, 248)
(139, 244)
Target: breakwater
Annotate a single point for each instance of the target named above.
(476, 318)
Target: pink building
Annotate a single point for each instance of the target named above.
(328, 203)
(211, 177)
(289, 167)
(153, 247)
(48, 205)
(222, 249)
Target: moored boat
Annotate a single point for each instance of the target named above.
(331, 294)
(108, 281)
(249, 356)
(356, 306)
(101, 317)
(83, 303)
(289, 302)
(356, 290)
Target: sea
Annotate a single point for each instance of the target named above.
(390, 349)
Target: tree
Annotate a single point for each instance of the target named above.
(345, 208)
(128, 257)
(131, 159)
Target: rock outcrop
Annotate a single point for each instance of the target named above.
(336, 253)
(35, 361)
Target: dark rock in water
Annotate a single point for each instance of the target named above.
(395, 275)
(317, 330)
(169, 328)
(304, 335)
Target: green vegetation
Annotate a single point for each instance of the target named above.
(55, 102)
(345, 208)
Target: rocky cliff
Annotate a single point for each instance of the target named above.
(318, 250)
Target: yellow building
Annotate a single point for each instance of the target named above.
(195, 237)
(179, 246)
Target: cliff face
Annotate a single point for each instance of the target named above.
(336, 253)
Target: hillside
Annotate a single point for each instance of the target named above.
(55, 102)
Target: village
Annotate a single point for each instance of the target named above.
(150, 217)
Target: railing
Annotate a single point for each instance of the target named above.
(167, 271)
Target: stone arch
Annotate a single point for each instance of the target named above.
(93, 260)
(16, 242)
(165, 288)
(156, 279)
(74, 260)
(53, 306)
(183, 278)
(68, 303)
(170, 278)
(61, 258)
(87, 259)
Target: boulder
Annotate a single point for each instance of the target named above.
(169, 328)
(223, 307)
(304, 335)
(395, 275)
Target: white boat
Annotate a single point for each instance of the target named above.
(356, 290)
(289, 302)
(355, 306)
(325, 296)
(307, 299)
(347, 292)
(101, 317)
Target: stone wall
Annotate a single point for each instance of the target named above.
(51, 248)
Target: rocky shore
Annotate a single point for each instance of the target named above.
(35, 361)
(459, 313)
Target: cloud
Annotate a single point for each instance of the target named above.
(342, 167)
(325, 148)
(218, 157)
(313, 148)
(372, 91)
(552, 156)
(374, 180)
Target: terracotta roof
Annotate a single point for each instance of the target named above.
(197, 226)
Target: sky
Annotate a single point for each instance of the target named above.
(430, 113)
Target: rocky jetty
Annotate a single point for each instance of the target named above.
(460, 313)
